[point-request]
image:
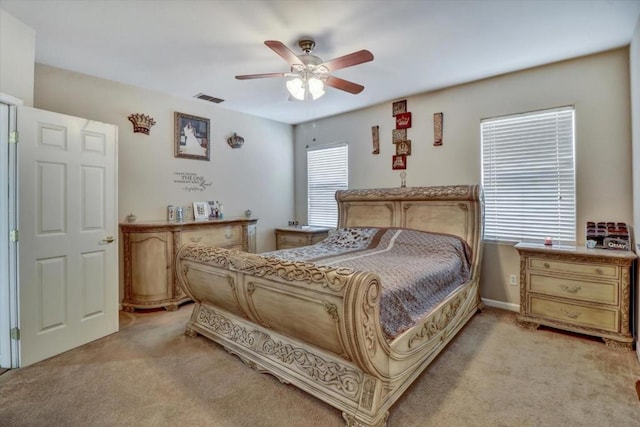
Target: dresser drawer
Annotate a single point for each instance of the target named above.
(286, 246)
(600, 292)
(294, 239)
(595, 270)
(218, 236)
(590, 317)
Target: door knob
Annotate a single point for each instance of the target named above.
(107, 240)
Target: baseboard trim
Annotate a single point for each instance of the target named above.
(503, 305)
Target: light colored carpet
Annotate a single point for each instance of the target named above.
(492, 374)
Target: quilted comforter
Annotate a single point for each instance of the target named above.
(417, 269)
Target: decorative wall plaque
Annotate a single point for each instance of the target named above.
(437, 129)
(399, 135)
(403, 121)
(235, 141)
(141, 123)
(403, 148)
(399, 162)
(399, 107)
(375, 137)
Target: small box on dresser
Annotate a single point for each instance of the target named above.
(577, 289)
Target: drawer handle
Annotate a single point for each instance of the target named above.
(195, 239)
(571, 289)
(570, 314)
(599, 271)
(228, 235)
(546, 265)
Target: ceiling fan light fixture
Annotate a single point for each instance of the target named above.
(296, 88)
(316, 87)
(309, 74)
(299, 87)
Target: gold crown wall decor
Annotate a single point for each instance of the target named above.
(235, 141)
(141, 123)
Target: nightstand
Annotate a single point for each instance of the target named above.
(293, 237)
(577, 289)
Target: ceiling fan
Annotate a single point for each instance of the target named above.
(309, 73)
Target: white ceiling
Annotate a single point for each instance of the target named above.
(190, 46)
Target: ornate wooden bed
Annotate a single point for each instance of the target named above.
(318, 327)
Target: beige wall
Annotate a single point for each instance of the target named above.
(258, 176)
(17, 53)
(634, 55)
(597, 85)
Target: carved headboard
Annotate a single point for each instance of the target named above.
(453, 209)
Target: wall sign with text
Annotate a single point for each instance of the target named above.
(191, 181)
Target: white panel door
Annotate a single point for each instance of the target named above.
(5, 306)
(67, 214)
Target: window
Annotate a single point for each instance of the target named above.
(327, 172)
(528, 176)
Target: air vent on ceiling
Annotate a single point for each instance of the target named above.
(209, 98)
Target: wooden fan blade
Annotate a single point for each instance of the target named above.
(345, 85)
(284, 52)
(259, 76)
(349, 60)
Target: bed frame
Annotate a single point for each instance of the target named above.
(318, 327)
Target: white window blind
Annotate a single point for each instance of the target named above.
(327, 172)
(528, 176)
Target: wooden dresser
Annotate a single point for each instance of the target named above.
(577, 289)
(293, 237)
(150, 249)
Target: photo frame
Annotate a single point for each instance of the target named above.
(399, 162)
(200, 211)
(192, 139)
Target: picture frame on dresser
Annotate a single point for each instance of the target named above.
(201, 211)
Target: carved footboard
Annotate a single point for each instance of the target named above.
(334, 309)
(315, 327)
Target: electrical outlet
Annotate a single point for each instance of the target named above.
(513, 280)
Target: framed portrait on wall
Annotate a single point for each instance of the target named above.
(192, 137)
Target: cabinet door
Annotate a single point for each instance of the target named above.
(151, 271)
(220, 236)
